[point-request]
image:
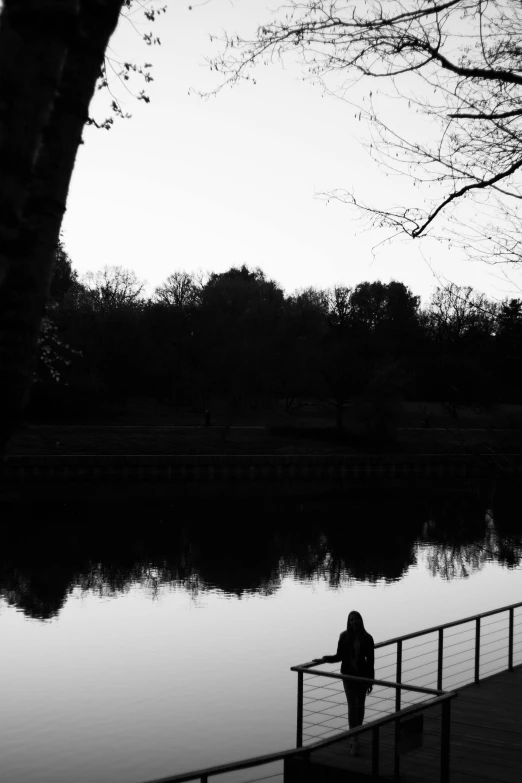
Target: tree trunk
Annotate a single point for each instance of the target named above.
(34, 37)
(24, 290)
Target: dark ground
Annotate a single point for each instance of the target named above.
(164, 430)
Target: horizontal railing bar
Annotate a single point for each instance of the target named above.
(424, 665)
(465, 641)
(336, 696)
(326, 720)
(232, 767)
(496, 622)
(382, 721)
(415, 646)
(307, 719)
(459, 663)
(493, 660)
(283, 754)
(307, 693)
(421, 676)
(267, 777)
(370, 681)
(462, 652)
(446, 625)
(419, 655)
(495, 641)
(327, 700)
(501, 633)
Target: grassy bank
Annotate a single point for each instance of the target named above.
(146, 428)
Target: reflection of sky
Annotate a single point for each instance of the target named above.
(130, 688)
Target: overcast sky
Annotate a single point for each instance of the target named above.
(201, 184)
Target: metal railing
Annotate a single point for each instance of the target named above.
(333, 710)
(479, 648)
(444, 699)
(435, 659)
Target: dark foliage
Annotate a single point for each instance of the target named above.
(236, 342)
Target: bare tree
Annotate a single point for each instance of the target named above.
(112, 287)
(339, 306)
(457, 62)
(180, 289)
(455, 310)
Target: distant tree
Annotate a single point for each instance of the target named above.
(339, 366)
(339, 307)
(456, 311)
(168, 355)
(304, 326)
(460, 325)
(111, 288)
(180, 289)
(509, 320)
(508, 350)
(366, 325)
(237, 335)
(383, 306)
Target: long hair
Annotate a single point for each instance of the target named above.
(354, 639)
(355, 614)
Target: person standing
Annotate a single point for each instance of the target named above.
(355, 651)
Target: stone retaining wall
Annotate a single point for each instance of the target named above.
(137, 475)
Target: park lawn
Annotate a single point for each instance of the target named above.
(149, 428)
(128, 439)
(160, 440)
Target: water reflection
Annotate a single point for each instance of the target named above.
(368, 540)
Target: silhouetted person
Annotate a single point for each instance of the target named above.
(207, 418)
(355, 650)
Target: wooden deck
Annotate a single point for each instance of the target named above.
(486, 742)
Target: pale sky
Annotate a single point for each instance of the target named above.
(201, 184)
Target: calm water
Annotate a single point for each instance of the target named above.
(135, 651)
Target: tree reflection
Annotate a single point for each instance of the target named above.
(370, 539)
(459, 545)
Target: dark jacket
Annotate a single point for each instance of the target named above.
(365, 662)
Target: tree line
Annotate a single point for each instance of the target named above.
(236, 339)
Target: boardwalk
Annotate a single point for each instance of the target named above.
(486, 741)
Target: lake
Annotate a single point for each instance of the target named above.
(138, 643)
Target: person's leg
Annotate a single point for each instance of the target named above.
(353, 713)
(361, 703)
(351, 698)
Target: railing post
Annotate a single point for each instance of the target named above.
(441, 657)
(445, 742)
(375, 752)
(511, 626)
(477, 650)
(398, 678)
(299, 741)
